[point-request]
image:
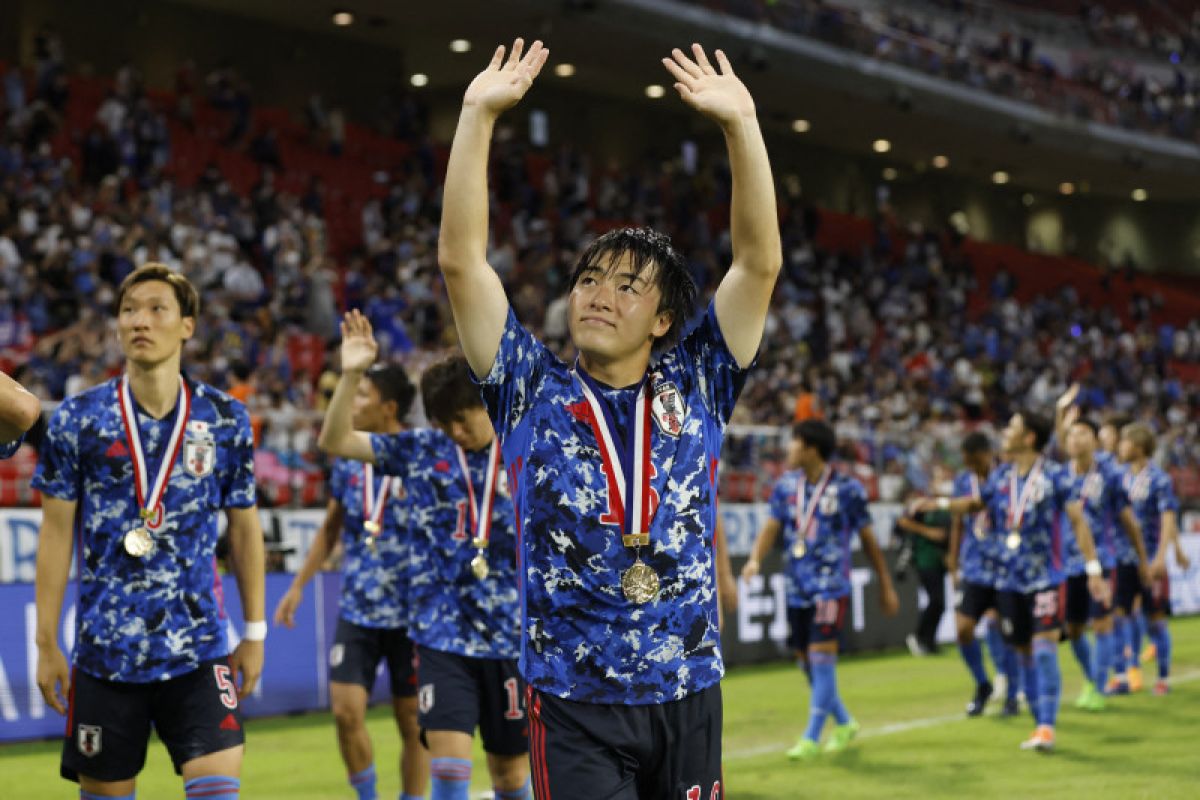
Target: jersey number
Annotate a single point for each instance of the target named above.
(694, 792)
(1045, 604)
(228, 690)
(827, 612)
(460, 528)
(514, 710)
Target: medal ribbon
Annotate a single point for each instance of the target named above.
(805, 513)
(149, 497)
(979, 518)
(628, 466)
(481, 518)
(372, 503)
(1015, 517)
(1139, 484)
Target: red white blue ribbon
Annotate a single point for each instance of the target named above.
(149, 495)
(481, 517)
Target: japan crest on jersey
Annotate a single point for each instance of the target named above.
(829, 502)
(668, 406)
(199, 456)
(87, 739)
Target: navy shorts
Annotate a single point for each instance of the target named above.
(357, 651)
(975, 599)
(457, 693)
(108, 723)
(816, 624)
(1081, 606)
(1026, 614)
(1156, 598)
(1129, 586)
(668, 751)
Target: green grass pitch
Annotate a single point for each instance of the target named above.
(916, 743)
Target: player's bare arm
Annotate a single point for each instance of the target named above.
(727, 591)
(956, 532)
(762, 545)
(338, 437)
(1097, 585)
(1170, 536)
(248, 559)
(1133, 530)
(744, 295)
(889, 603)
(322, 546)
(1066, 413)
(19, 409)
(476, 295)
(55, 540)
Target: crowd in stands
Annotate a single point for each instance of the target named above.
(897, 335)
(1085, 86)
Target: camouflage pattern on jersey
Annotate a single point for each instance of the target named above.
(374, 580)
(979, 551)
(1151, 494)
(822, 571)
(9, 449)
(452, 610)
(1036, 564)
(148, 619)
(582, 639)
(1103, 495)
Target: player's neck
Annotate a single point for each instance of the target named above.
(1138, 464)
(155, 387)
(1084, 462)
(1023, 462)
(814, 471)
(618, 372)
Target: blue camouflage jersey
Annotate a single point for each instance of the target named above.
(582, 639)
(9, 449)
(374, 582)
(148, 619)
(1126, 552)
(452, 610)
(1151, 494)
(1036, 564)
(1102, 493)
(822, 572)
(979, 556)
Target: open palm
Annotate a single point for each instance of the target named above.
(504, 82)
(719, 95)
(358, 343)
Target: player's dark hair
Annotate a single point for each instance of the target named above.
(646, 248)
(392, 383)
(818, 434)
(185, 292)
(1117, 420)
(447, 389)
(1090, 424)
(975, 443)
(1040, 426)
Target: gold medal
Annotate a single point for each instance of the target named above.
(1014, 540)
(479, 565)
(372, 527)
(139, 543)
(370, 542)
(799, 549)
(640, 583)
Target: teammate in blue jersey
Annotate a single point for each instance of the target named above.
(19, 410)
(463, 572)
(817, 511)
(1157, 510)
(1101, 490)
(1024, 499)
(976, 569)
(366, 511)
(137, 469)
(620, 642)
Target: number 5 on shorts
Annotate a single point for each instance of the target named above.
(225, 684)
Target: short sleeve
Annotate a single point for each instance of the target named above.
(1066, 488)
(1165, 495)
(858, 515)
(1117, 493)
(237, 484)
(57, 472)
(706, 355)
(338, 481)
(778, 504)
(9, 449)
(509, 389)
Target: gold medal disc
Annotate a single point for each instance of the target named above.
(139, 543)
(640, 583)
(799, 549)
(1013, 541)
(479, 566)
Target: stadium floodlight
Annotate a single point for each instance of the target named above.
(1066, 188)
(655, 91)
(801, 125)
(1139, 195)
(460, 46)
(890, 173)
(419, 79)
(940, 162)
(564, 70)
(343, 18)
(881, 145)
(1000, 177)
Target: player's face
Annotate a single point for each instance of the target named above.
(1127, 451)
(368, 408)
(150, 325)
(794, 452)
(1081, 442)
(614, 314)
(1015, 435)
(470, 429)
(1108, 438)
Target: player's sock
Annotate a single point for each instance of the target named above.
(1161, 636)
(1049, 678)
(1012, 662)
(451, 778)
(363, 782)
(404, 796)
(998, 650)
(524, 793)
(972, 656)
(1030, 681)
(824, 692)
(1137, 632)
(1082, 648)
(212, 787)
(1120, 640)
(89, 796)
(1102, 659)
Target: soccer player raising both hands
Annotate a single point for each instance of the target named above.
(613, 459)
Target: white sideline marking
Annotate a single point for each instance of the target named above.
(911, 725)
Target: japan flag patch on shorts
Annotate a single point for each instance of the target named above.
(425, 698)
(336, 654)
(88, 740)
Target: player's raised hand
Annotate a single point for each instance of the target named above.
(505, 81)
(1069, 397)
(713, 91)
(52, 673)
(358, 343)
